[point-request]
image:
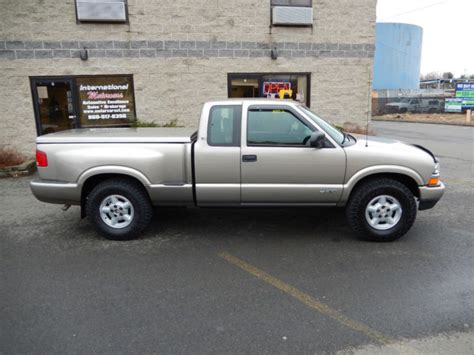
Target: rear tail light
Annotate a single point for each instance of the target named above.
(41, 159)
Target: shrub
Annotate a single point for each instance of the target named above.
(142, 124)
(350, 127)
(9, 156)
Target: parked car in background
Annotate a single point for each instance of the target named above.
(416, 105)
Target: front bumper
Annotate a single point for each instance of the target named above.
(429, 196)
(56, 192)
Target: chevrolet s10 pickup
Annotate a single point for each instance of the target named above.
(246, 153)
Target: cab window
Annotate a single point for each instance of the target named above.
(224, 125)
(276, 127)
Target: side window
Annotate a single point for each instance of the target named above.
(224, 125)
(276, 127)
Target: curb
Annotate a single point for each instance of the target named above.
(427, 122)
(25, 169)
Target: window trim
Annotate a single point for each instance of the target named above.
(295, 25)
(237, 128)
(272, 4)
(259, 76)
(126, 22)
(295, 113)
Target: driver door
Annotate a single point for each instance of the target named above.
(279, 167)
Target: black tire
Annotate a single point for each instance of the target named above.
(361, 197)
(134, 193)
(403, 110)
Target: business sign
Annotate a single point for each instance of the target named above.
(274, 87)
(465, 92)
(453, 105)
(106, 100)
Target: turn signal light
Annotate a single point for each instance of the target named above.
(41, 159)
(433, 181)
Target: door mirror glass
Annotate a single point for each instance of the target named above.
(317, 139)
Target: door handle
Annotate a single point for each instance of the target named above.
(249, 158)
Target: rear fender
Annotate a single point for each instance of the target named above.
(109, 170)
(113, 169)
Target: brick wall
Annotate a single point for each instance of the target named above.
(180, 55)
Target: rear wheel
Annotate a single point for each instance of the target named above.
(119, 209)
(381, 210)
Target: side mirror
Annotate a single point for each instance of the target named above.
(317, 139)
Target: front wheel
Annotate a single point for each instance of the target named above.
(381, 210)
(119, 209)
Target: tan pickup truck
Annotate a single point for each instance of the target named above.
(246, 153)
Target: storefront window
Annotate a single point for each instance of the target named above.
(105, 100)
(275, 86)
(62, 103)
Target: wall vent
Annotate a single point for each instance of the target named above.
(292, 16)
(101, 10)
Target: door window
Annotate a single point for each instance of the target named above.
(224, 126)
(276, 127)
(54, 105)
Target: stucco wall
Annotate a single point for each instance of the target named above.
(180, 55)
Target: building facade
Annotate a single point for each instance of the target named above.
(61, 69)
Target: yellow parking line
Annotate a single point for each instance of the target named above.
(308, 300)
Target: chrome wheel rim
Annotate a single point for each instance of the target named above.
(383, 212)
(116, 211)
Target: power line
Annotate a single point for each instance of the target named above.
(413, 10)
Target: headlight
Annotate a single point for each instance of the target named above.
(434, 181)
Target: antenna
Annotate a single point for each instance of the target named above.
(369, 111)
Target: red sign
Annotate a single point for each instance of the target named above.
(274, 87)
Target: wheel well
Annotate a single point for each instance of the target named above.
(91, 182)
(404, 179)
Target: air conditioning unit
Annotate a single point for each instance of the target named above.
(292, 16)
(101, 10)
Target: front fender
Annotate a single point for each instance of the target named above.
(374, 170)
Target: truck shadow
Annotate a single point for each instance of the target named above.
(230, 223)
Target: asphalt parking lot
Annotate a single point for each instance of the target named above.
(226, 280)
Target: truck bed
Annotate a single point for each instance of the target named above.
(119, 135)
(159, 158)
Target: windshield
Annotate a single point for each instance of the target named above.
(335, 134)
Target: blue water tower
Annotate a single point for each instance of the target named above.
(397, 56)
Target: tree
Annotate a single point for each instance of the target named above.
(448, 75)
(431, 76)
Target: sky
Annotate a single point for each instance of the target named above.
(448, 37)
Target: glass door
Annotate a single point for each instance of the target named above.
(54, 104)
